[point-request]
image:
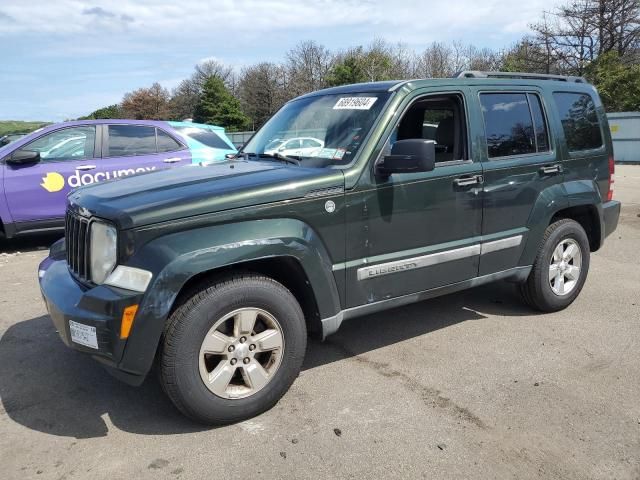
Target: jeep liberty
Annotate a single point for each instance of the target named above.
(216, 273)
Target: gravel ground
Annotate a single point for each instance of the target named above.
(472, 385)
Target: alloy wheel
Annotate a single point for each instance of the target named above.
(565, 267)
(241, 353)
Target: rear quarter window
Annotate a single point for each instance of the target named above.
(206, 137)
(166, 143)
(579, 120)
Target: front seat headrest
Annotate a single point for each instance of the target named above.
(445, 133)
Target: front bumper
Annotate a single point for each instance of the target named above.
(100, 307)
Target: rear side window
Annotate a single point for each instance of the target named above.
(579, 120)
(514, 124)
(166, 143)
(310, 143)
(129, 140)
(292, 144)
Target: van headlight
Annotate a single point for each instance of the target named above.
(103, 251)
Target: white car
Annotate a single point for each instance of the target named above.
(299, 146)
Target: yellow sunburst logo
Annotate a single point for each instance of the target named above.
(52, 182)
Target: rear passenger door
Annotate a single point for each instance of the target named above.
(128, 149)
(520, 161)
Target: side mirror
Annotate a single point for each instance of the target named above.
(409, 156)
(23, 157)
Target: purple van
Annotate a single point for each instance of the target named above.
(39, 170)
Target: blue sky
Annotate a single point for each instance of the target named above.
(65, 58)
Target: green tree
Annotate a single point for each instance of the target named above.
(617, 82)
(346, 70)
(218, 107)
(372, 64)
(112, 111)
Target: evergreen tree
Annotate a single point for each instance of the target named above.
(347, 70)
(112, 111)
(617, 83)
(218, 107)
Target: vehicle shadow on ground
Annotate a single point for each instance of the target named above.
(364, 334)
(49, 388)
(29, 243)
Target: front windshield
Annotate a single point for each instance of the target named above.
(322, 130)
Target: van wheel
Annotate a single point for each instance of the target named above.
(560, 268)
(232, 349)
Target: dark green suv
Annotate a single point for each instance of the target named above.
(386, 194)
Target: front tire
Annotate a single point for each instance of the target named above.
(560, 268)
(232, 349)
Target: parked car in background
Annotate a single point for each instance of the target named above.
(206, 142)
(10, 137)
(305, 146)
(38, 170)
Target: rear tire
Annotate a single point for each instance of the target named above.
(232, 349)
(560, 268)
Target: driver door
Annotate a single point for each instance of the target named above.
(412, 232)
(38, 192)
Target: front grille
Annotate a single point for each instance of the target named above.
(76, 232)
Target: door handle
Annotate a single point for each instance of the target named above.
(551, 169)
(172, 160)
(85, 167)
(470, 180)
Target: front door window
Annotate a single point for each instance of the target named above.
(76, 143)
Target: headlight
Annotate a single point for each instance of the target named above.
(104, 251)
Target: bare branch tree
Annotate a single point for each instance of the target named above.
(308, 64)
(263, 90)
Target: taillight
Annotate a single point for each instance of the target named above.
(612, 171)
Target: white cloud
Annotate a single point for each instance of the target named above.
(68, 57)
(413, 21)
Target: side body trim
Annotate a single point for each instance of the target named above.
(418, 262)
(502, 244)
(332, 324)
(423, 261)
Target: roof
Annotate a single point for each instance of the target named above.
(368, 87)
(462, 78)
(519, 75)
(157, 123)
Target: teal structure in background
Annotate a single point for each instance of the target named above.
(207, 143)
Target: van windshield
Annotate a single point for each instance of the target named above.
(321, 130)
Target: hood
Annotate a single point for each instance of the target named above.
(182, 192)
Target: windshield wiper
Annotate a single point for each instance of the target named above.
(275, 156)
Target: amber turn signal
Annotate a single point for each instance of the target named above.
(127, 321)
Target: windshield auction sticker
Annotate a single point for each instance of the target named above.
(355, 103)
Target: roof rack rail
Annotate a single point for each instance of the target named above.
(528, 76)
